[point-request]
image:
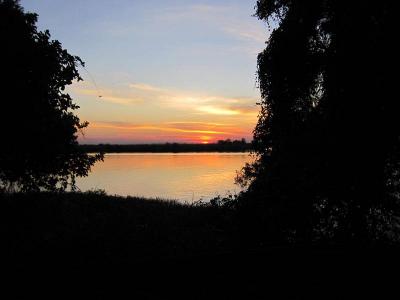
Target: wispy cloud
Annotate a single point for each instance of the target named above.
(161, 112)
(149, 127)
(199, 11)
(146, 87)
(251, 33)
(191, 102)
(164, 131)
(185, 123)
(223, 17)
(109, 96)
(218, 111)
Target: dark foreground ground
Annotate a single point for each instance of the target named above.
(96, 246)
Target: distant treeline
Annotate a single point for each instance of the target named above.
(220, 146)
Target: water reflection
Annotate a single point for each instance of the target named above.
(182, 176)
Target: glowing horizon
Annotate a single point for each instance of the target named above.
(160, 71)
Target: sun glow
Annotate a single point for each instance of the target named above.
(162, 132)
(162, 114)
(205, 139)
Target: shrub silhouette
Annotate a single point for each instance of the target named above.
(40, 148)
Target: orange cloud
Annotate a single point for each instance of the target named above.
(161, 113)
(153, 128)
(218, 111)
(148, 95)
(198, 132)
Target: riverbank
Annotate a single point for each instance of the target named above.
(94, 227)
(102, 246)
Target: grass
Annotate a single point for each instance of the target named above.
(100, 246)
(93, 226)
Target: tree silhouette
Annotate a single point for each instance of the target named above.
(39, 129)
(327, 138)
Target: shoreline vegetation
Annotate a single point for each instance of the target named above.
(220, 146)
(156, 249)
(96, 228)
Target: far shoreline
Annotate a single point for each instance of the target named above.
(220, 147)
(203, 153)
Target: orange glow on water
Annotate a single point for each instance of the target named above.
(183, 176)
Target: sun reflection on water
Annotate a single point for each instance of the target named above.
(183, 176)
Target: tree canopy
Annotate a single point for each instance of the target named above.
(39, 128)
(327, 138)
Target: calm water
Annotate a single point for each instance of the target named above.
(186, 177)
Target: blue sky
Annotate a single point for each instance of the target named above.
(167, 70)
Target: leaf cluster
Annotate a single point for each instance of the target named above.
(328, 129)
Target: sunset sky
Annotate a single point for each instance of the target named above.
(167, 70)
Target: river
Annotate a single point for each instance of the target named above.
(185, 177)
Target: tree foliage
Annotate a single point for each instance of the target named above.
(327, 138)
(39, 127)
